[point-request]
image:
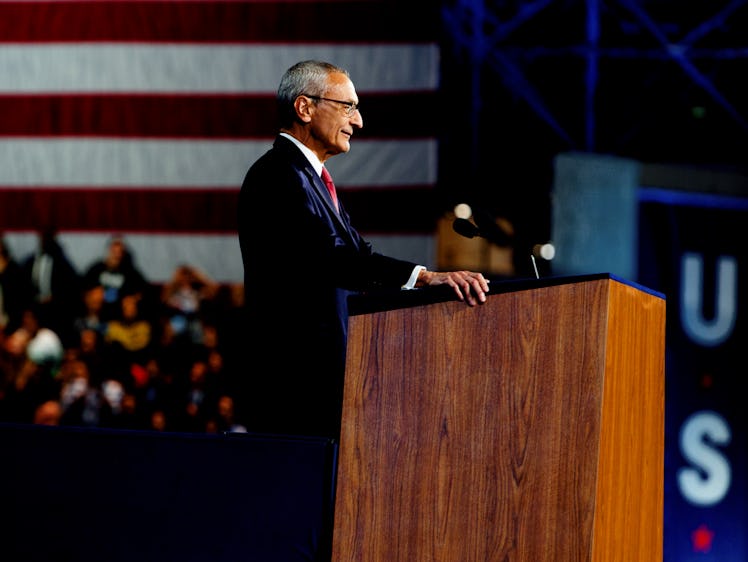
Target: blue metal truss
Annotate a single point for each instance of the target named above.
(489, 37)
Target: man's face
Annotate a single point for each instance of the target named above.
(331, 127)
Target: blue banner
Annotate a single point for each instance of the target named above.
(694, 249)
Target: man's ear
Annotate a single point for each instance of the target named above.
(304, 109)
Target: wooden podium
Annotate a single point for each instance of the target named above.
(530, 428)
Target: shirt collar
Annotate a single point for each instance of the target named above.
(313, 160)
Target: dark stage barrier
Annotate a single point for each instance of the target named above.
(79, 495)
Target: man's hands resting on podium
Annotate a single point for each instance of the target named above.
(470, 287)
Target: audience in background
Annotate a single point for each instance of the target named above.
(119, 352)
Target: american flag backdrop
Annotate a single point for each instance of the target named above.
(141, 117)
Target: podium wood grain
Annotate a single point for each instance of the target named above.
(527, 429)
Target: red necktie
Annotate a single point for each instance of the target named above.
(327, 178)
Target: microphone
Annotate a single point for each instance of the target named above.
(489, 229)
(486, 228)
(465, 228)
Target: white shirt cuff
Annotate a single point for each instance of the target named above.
(411, 284)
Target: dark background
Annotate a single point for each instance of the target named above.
(655, 81)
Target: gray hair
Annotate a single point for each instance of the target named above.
(305, 77)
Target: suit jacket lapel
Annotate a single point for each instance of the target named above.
(321, 190)
(300, 161)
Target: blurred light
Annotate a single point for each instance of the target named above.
(546, 251)
(463, 211)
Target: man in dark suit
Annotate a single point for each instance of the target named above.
(302, 257)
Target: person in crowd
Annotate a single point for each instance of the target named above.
(35, 353)
(91, 312)
(129, 339)
(90, 349)
(160, 391)
(118, 275)
(130, 414)
(184, 298)
(80, 398)
(225, 419)
(302, 257)
(54, 284)
(14, 290)
(48, 412)
(158, 420)
(198, 398)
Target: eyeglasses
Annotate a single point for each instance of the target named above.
(350, 107)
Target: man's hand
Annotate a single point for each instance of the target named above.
(469, 286)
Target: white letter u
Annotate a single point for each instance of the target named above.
(712, 332)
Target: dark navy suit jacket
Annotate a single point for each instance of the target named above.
(301, 261)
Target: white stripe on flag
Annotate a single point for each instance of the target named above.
(197, 164)
(205, 68)
(158, 256)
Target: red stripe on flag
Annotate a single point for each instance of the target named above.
(215, 21)
(46, 114)
(174, 211)
(146, 210)
(401, 115)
